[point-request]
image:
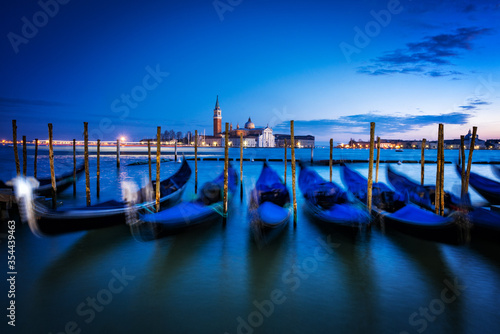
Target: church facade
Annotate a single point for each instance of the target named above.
(252, 136)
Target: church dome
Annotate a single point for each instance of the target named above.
(249, 124)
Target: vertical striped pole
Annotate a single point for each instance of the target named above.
(312, 154)
(378, 159)
(469, 161)
(175, 150)
(292, 143)
(74, 167)
(118, 153)
(331, 158)
(441, 174)
(98, 166)
(226, 172)
(285, 162)
(86, 158)
(437, 193)
(370, 167)
(36, 157)
(462, 152)
(195, 161)
(158, 157)
(25, 156)
(149, 159)
(422, 163)
(52, 172)
(14, 143)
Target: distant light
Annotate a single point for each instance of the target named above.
(122, 138)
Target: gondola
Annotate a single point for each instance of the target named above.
(269, 206)
(327, 203)
(488, 188)
(423, 196)
(205, 209)
(394, 211)
(63, 181)
(496, 170)
(45, 221)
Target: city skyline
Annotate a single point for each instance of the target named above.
(333, 67)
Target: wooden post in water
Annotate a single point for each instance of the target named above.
(158, 157)
(284, 179)
(437, 193)
(422, 163)
(226, 172)
(52, 172)
(25, 156)
(469, 161)
(86, 158)
(441, 174)
(149, 159)
(370, 167)
(330, 161)
(74, 167)
(378, 159)
(118, 153)
(98, 166)
(195, 161)
(36, 157)
(312, 154)
(241, 166)
(14, 143)
(292, 144)
(462, 152)
(175, 151)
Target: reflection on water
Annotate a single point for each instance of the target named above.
(217, 280)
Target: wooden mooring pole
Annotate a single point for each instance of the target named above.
(52, 172)
(441, 174)
(437, 193)
(469, 161)
(378, 159)
(462, 152)
(422, 163)
(370, 167)
(175, 151)
(195, 161)
(118, 153)
(74, 167)
(25, 156)
(86, 158)
(312, 154)
(292, 144)
(149, 159)
(158, 157)
(98, 167)
(284, 179)
(36, 157)
(241, 166)
(226, 173)
(14, 143)
(330, 161)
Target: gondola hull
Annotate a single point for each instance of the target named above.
(63, 182)
(52, 222)
(487, 188)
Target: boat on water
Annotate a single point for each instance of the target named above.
(487, 188)
(207, 208)
(399, 150)
(145, 162)
(496, 170)
(63, 182)
(269, 205)
(423, 196)
(393, 209)
(46, 221)
(328, 203)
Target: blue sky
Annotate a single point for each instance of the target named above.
(332, 66)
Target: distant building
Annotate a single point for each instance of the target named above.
(300, 141)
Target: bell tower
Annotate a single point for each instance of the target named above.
(217, 118)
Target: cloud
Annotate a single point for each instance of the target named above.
(386, 124)
(474, 103)
(426, 56)
(11, 102)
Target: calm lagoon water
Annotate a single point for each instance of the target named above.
(217, 280)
